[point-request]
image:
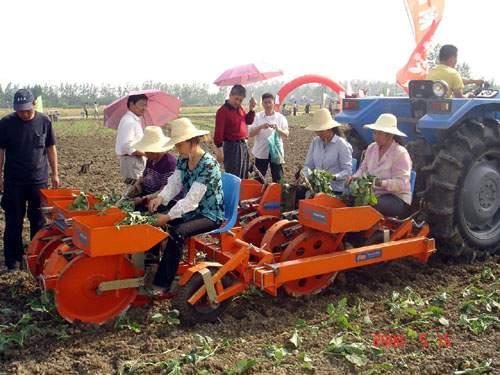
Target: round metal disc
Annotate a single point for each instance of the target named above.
(39, 241)
(76, 294)
(309, 244)
(255, 230)
(280, 234)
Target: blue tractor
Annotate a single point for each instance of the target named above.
(455, 149)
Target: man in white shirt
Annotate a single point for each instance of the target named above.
(130, 131)
(263, 127)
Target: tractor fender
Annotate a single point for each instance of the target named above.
(461, 109)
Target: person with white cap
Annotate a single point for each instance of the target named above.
(329, 151)
(160, 165)
(391, 164)
(199, 178)
(28, 147)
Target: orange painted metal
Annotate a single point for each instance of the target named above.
(49, 196)
(45, 254)
(330, 215)
(254, 231)
(39, 241)
(270, 203)
(76, 295)
(279, 235)
(418, 247)
(309, 244)
(99, 235)
(53, 266)
(250, 189)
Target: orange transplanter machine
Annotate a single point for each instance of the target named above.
(98, 272)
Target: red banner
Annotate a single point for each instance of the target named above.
(425, 16)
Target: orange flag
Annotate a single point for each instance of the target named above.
(425, 16)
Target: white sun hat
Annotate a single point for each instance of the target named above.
(387, 123)
(153, 140)
(182, 129)
(322, 120)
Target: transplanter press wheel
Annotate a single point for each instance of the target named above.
(255, 230)
(76, 294)
(280, 234)
(308, 244)
(41, 239)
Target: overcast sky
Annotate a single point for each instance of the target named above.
(120, 41)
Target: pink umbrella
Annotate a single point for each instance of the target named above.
(244, 74)
(161, 108)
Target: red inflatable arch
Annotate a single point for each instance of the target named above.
(303, 80)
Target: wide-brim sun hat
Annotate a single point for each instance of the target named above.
(386, 123)
(182, 129)
(153, 140)
(322, 120)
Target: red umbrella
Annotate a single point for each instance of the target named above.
(244, 74)
(161, 108)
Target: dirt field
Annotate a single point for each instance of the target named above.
(445, 316)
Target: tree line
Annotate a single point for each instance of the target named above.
(191, 94)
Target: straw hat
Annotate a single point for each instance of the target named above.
(153, 140)
(322, 120)
(387, 123)
(182, 129)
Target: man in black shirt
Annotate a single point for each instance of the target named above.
(27, 146)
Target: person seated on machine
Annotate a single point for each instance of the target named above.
(329, 150)
(445, 71)
(391, 164)
(198, 176)
(160, 166)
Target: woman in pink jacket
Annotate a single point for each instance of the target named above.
(391, 164)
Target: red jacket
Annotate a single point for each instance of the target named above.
(231, 124)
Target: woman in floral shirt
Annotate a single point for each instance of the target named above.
(198, 177)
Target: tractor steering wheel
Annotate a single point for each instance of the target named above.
(484, 87)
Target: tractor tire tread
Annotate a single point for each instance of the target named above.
(442, 191)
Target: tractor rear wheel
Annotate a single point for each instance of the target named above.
(463, 190)
(203, 311)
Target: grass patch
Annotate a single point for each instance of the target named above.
(82, 128)
(205, 123)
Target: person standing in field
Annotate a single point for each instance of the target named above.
(130, 130)
(28, 147)
(295, 108)
(86, 110)
(96, 111)
(231, 132)
(263, 127)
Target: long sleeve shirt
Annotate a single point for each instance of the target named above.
(334, 157)
(231, 124)
(187, 204)
(393, 168)
(202, 188)
(129, 131)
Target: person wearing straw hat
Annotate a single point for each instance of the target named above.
(160, 166)
(391, 164)
(329, 151)
(198, 176)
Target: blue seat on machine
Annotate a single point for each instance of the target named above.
(354, 165)
(231, 190)
(413, 177)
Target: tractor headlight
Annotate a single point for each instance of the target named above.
(440, 88)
